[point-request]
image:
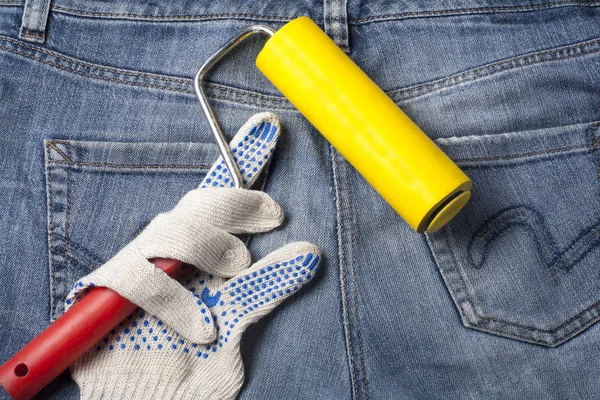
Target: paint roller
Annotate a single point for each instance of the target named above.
(404, 166)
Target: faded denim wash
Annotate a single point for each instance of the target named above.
(101, 131)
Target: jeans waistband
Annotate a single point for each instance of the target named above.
(358, 11)
(333, 15)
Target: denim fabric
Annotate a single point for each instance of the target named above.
(101, 131)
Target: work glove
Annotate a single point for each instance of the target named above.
(184, 340)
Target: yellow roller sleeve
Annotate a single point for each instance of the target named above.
(406, 167)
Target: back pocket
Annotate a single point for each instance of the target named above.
(100, 195)
(521, 260)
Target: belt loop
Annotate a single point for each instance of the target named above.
(35, 18)
(336, 22)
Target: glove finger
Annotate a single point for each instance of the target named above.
(251, 148)
(254, 293)
(233, 210)
(188, 238)
(139, 281)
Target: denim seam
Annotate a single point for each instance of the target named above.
(524, 160)
(522, 155)
(595, 144)
(501, 321)
(559, 265)
(347, 242)
(232, 94)
(199, 17)
(359, 21)
(80, 259)
(464, 291)
(343, 286)
(125, 166)
(29, 35)
(69, 160)
(82, 253)
(469, 11)
(359, 337)
(93, 76)
(137, 84)
(67, 220)
(276, 102)
(514, 63)
(96, 66)
(58, 203)
(51, 144)
(50, 207)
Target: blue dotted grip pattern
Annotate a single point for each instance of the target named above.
(251, 150)
(224, 303)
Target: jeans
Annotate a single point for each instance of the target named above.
(101, 131)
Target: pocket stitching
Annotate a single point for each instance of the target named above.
(67, 220)
(49, 195)
(560, 53)
(522, 155)
(80, 253)
(69, 161)
(61, 160)
(464, 292)
(57, 245)
(462, 298)
(166, 83)
(124, 166)
(595, 144)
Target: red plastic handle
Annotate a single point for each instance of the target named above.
(71, 335)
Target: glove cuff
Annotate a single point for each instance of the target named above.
(176, 376)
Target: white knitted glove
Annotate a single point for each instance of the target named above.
(183, 342)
